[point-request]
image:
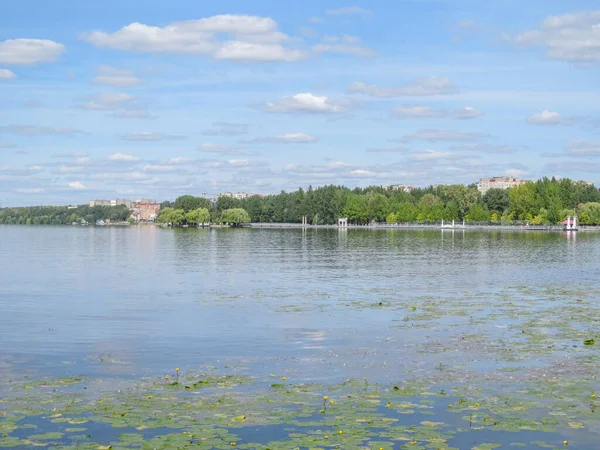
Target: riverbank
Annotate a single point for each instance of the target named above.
(398, 226)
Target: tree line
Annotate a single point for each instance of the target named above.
(62, 215)
(548, 201)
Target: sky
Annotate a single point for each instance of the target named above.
(132, 98)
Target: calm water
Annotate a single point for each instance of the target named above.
(150, 298)
(492, 310)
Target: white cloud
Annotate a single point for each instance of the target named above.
(584, 148)
(443, 135)
(305, 103)
(178, 160)
(361, 173)
(237, 162)
(248, 39)
(34, 130)
(417, 112)
(425, 112)
(286, 138)
(123, 157)
(6, 74)
(468, 112)
(224, 149)
(349, 11)
(295, 138)
(316, 19)
(29, 51)
(345, 44)
(76, 185)
(429, 155)
(227, 129)
(421, 87)
(150, 136)
(107, 101)
(7, 145)
(31, 190)
(548, 118)
(158, 168)
(570, 37)
(112, 76)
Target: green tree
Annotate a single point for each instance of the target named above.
(496, 200)
(478, 213)
(198, 216)
(235, 216)
(356, 209)
(188, 203)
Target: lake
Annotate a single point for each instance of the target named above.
(424, 338)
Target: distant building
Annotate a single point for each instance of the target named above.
(71, 207)
(145, 200)
(485, 184)
(237, 195)
(401, 187)
(99, 203)
(145, 211)
(121, 201)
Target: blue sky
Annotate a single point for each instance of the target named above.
(157, 99)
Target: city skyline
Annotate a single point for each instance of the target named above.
(154, 100)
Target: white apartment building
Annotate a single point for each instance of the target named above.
(236, 195)
(485, 184)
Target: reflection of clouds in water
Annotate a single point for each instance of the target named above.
(311, 339)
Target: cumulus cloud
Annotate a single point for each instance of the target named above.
(34, 130)
(421, 87)
(227, 129)
(112, 76)
(349, 11)
(247, 39)
(305, 103)
(6, 74)
(344, 44)
(123, 157)
(570, 37)
(76, 185)
(584, 148)
(150, 136)
(29, 51)
(549, 118)
(107, 101)
(443, 135)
